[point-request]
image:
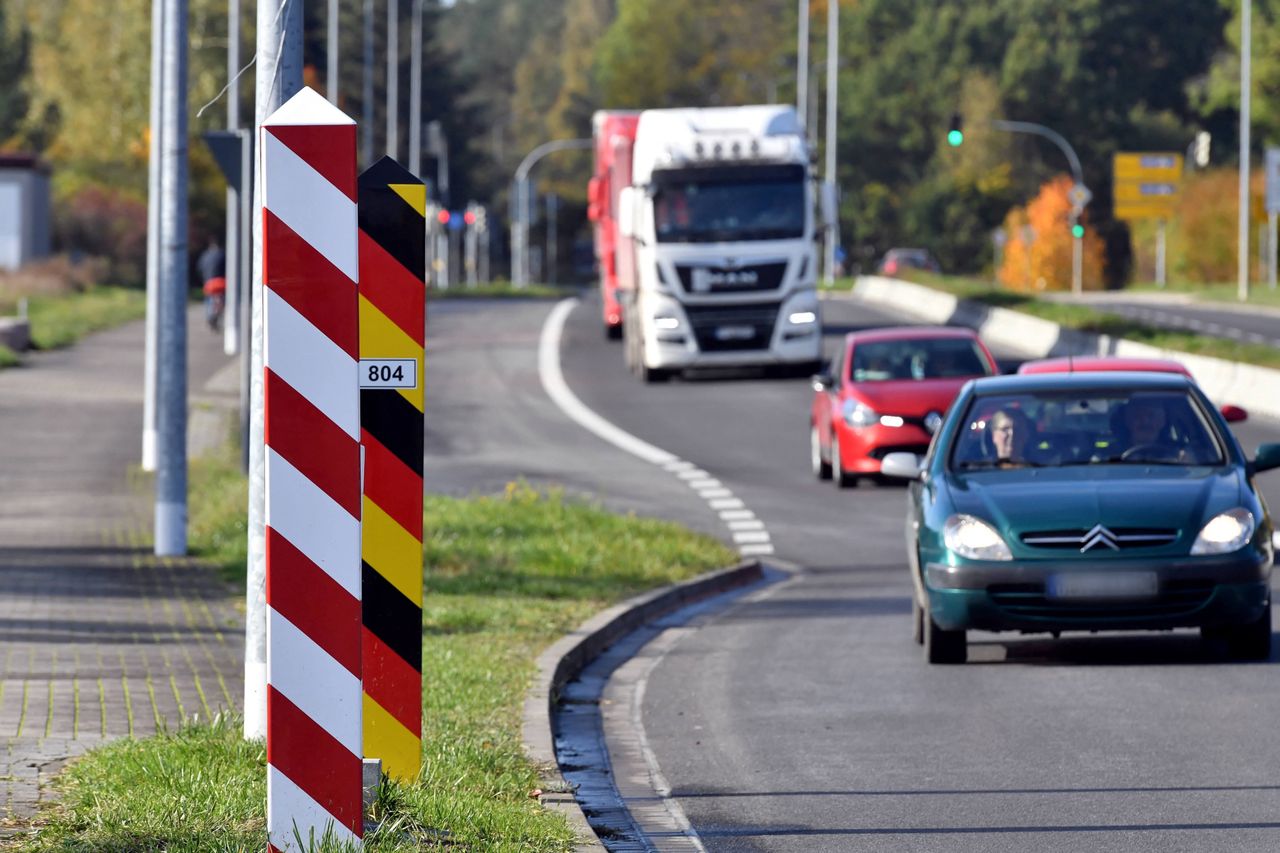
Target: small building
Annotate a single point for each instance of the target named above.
(25, 210)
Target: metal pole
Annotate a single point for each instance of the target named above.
(331, 74)
(231, 308)
(1160, 254)
(171, 374)
(802, 60)
(552, 207)
(279, 77)
(1271, 249)
(366, 122)
(520, 198)
(415, 92)
(247, 294)
(1077, 266)
(153, 239)
(1242, 248)
(393, 79)
(833, 58)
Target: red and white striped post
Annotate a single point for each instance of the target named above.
(312, 424)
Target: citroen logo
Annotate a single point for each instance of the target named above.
(1099, 535)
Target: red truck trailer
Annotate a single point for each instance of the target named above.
(614, 133)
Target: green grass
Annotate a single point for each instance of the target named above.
(1259, 292)
(58, 321)
(1087, 319)
(504, 576)
(8, 358)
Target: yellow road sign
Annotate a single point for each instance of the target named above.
(1152, 166)
(1146, 192)
(1142, 210)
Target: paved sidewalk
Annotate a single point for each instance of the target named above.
(99, 639)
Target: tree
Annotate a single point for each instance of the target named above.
(15, 70)
(1038, 244)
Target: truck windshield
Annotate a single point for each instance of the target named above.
(729, 204)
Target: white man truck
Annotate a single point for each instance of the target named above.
(719, 218)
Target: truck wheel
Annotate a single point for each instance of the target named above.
(821, 468)
(612, 333)
(917, 622)
(1251, 641)
(653, 375)
(943, 646)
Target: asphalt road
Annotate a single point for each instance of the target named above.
(803, 718)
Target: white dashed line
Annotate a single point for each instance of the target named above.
(748, 532)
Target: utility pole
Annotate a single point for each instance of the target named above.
(1242, 248)
(153, 238)
(279, 78)
(520, 204)
(393, 79)
(829, 185)
(366, 122)
(233, 242)
(171, 351)
(415, 92)
(802, 60)
(331, 74)
(553, 205)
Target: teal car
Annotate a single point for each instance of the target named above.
(1087, 502)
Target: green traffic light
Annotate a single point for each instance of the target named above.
(1077, 231)
(954, 138)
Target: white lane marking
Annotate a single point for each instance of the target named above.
(751, 537)
(753, 524)
(755, 550)
(1195, 324)
(1255, 338)
(709, 488)
(1213, 328)
(1235, 333)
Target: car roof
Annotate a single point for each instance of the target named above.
(1117, 380)
(1088, 364)
(902, 333)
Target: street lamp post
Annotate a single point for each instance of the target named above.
(1080, 193)
(520, 202)
(1242, 249)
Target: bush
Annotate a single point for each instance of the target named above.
(56, 276)
(108, 223)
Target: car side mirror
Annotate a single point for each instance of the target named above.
(823, 382)
(1234, 414)
(906, 466)
(1268, 457)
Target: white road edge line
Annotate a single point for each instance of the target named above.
(721, 500)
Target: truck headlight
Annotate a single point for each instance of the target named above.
(1226, 532)
(971, 537)
(666, 323)
(803, 318)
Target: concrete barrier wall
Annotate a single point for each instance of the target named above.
(15, 333)
(1255, 388)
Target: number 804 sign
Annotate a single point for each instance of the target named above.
(388, 373)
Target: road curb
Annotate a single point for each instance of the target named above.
(1256, 388)
(564, 659)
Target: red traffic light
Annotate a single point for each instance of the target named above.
(469, 217)
(443, 217)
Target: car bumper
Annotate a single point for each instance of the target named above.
(862, 449)
(1019, 596)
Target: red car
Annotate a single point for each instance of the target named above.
(886, 391)
(1091, 363)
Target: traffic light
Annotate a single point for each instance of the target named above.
(1203, 140)
(955, 135)
(1077, 230)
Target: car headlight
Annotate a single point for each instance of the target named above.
(974, 539)
(859, 414)
(1226, 532)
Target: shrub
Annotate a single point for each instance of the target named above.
(107, 223)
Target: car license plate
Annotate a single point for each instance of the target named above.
(1103, 585)
(735, 333)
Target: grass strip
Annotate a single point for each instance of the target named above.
(505, 576)
(1086, 319)
(503, 290)
(58, 321)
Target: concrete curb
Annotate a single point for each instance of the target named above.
(565, 658)
(1255, 388)
(15, 333)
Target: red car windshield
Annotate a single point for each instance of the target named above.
(918, 358)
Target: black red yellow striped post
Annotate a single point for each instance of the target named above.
(392, 214)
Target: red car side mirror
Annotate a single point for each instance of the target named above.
(1234, 414)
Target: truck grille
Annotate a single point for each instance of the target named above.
(711, 279)
(721, 328)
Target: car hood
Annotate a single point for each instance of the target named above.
(1027, 500)
(908, 397)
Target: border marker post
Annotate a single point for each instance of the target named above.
(312, 430)
(393, 206)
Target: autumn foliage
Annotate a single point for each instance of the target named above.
(1037, 251)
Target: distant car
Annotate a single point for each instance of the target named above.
(887, 389)
(895, 261)
(1092, 363)
(1087, 502)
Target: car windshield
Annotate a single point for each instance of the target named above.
(729, 204)
(918, 358)
(1085, 428)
